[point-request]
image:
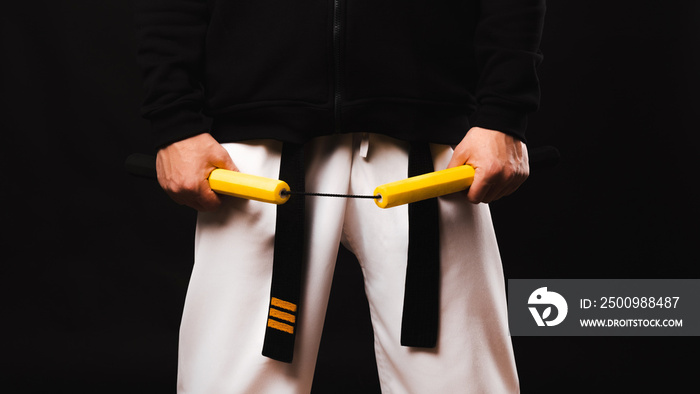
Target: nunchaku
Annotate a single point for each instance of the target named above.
(388, 195)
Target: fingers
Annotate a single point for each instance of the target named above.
(491, 184)
(223, 160)
(183, 169)
(198, 196)
(460, 156)
(500, 163)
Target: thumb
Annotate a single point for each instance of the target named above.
(223, 160)
(460, 156)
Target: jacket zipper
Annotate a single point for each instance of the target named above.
(338, 88)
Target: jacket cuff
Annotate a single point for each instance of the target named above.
(511, 122)
(173, 126)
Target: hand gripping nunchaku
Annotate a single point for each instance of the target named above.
(388, 195)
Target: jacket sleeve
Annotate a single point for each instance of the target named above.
(170, 54)
(507, 43)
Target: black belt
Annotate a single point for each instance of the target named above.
(421, 299)
(287, 264)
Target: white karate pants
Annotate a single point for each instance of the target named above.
(226, 308)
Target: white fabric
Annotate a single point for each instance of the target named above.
(364, 145)
(225, 314)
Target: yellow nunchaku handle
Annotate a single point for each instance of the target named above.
(422, 187)
(253, 187)
(417, 188)
(248, 186)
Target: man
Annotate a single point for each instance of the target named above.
(339, 97)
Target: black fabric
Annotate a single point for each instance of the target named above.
(288, 256)
(268, 69)
(419, 326)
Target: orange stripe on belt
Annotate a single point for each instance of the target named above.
(283, 304)
(282, 315)
(280, 326)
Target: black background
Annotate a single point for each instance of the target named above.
(95, 262)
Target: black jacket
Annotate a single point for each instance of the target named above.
(418, 70)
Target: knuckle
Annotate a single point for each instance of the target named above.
(520, 175)
(461, 152)
(507, 173)
(185, 190)
(171, 188)
(495, 172)
(485, 171)
(189, 186)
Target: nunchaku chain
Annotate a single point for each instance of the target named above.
(294, 193)
(275, 191)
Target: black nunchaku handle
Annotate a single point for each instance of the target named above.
(143, 165)
(545, 156)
